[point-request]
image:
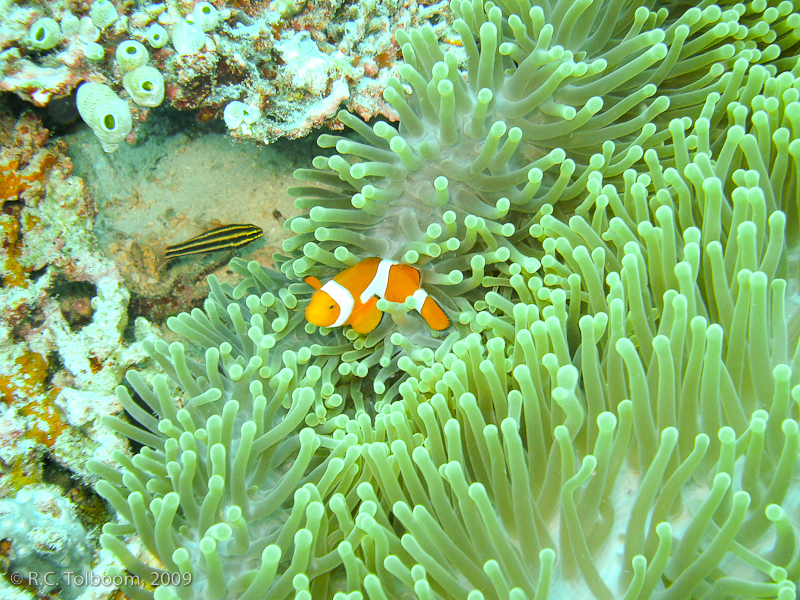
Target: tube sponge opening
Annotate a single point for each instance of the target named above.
(44, 34)
(131, 54)
(145, 84)
(106, 113)
(156, 36)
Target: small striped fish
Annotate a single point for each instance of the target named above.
(219, 238)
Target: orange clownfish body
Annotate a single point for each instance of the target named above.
(351, 297)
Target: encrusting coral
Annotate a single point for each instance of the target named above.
(47, 543)
(609, 202)
(63, 309)
(294, 62)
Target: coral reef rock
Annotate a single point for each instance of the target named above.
(293, 63)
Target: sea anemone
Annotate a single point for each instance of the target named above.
(608, 205)
(553, 97)
(626, 397)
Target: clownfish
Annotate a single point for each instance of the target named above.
(351, 297)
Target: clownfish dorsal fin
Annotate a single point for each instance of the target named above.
(359, 275)
(313, 282)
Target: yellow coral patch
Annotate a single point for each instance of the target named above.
(27, 388)
(14, 181)
(13, 272)
(23, 471)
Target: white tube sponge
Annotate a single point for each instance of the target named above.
(93, 51)
(236, 113)
(44, 34)
(145, 84)
(103, 13)
(206, 16)
(88, 31)
(69, 24)
(131, 54)
(106, 113)
(156, 36)
(233, 114)
(188, 38)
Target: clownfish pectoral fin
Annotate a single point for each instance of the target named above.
(434, 315)
(313, 282)
(367, 317)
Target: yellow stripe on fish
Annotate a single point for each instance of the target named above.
(219, 238)
(351, 297)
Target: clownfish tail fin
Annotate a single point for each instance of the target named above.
(434, 315)
(313, 282)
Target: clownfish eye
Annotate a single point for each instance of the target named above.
(330, 307)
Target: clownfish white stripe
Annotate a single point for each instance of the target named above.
(377, 287)
(420, 296)
(341, 296)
